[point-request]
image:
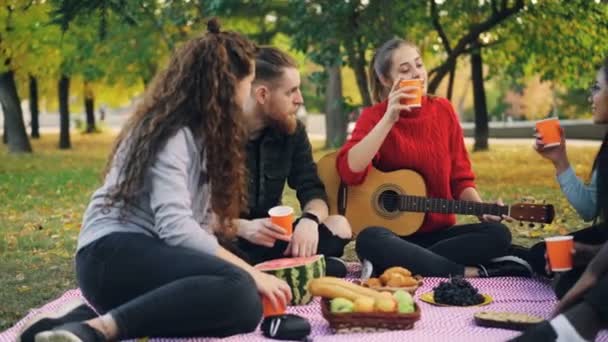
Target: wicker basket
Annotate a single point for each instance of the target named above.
(368, 321)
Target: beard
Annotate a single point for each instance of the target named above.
(284, 123)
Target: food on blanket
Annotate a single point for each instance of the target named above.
(331, 287)
(395, 280)
(405, 302)
(386, 304)
(297, 272)
(339, 305)
(405, 307)
(384, 278)
(326, 290)
(373, 282)
(393, 277)
(387, 294)
(399, 270)
(506, 320)
(458, 292)
(364, 304)
(409, 281)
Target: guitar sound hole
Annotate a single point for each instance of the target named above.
(389, 201)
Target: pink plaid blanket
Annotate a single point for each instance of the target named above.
(436, 324)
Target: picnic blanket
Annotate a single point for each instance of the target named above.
(532, 296)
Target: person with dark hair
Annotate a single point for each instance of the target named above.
(148, 259)
(279, 151)
(583, 198)
(583, 291)
(393, 136)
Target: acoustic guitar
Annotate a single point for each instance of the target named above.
(397, 200)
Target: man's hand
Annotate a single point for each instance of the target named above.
(261, 232)
(305, 239)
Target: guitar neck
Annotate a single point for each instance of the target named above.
(438, 205)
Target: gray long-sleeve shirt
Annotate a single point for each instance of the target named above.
(173, 205)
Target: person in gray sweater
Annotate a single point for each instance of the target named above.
(148, 258)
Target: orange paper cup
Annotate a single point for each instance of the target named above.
(412, 102)
(559, 251)
(270, 310)
(550, 132)
(282, 216)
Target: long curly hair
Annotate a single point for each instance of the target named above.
(196, 90)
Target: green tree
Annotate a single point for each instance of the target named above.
(562, 41)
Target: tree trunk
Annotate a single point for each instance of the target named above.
(4, 130)
(89, 106)
(361, 76)
(34, 107)
(335, 120)
(148, 75)
(64, 112)
(479, 97)
(15, 132)
(451, 81)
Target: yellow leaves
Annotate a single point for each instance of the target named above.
(23, 289)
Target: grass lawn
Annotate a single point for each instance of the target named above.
(44, 195)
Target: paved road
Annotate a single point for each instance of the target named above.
(49, 123)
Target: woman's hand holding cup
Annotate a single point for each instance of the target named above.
(398, 100)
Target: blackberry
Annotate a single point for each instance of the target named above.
(457, 292)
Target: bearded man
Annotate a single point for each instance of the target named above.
(279, 151)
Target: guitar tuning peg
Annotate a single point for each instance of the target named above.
(531, 225)
(544, 201)
(542, 226)
(521, 224)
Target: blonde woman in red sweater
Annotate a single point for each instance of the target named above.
(392, 136)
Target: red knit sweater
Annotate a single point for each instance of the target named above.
(429, 141)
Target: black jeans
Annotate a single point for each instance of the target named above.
(442, 253)
(594, 235)
(597, 298)
(329, 245)
(152, 289)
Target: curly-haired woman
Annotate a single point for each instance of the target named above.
(148, 258)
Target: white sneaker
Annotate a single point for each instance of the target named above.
(73, 310)
(366, 269)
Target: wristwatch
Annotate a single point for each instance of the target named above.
(310, 216)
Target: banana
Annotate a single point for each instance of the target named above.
(339, 287)
(326, 290)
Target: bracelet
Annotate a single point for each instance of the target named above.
(311, 216)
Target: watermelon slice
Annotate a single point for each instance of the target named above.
(297, 272)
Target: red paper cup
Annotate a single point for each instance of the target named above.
(412, 102)
(559, 252)
(550, 132)
(270, 310)
(282, 216)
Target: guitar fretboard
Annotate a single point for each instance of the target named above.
(438, 205)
